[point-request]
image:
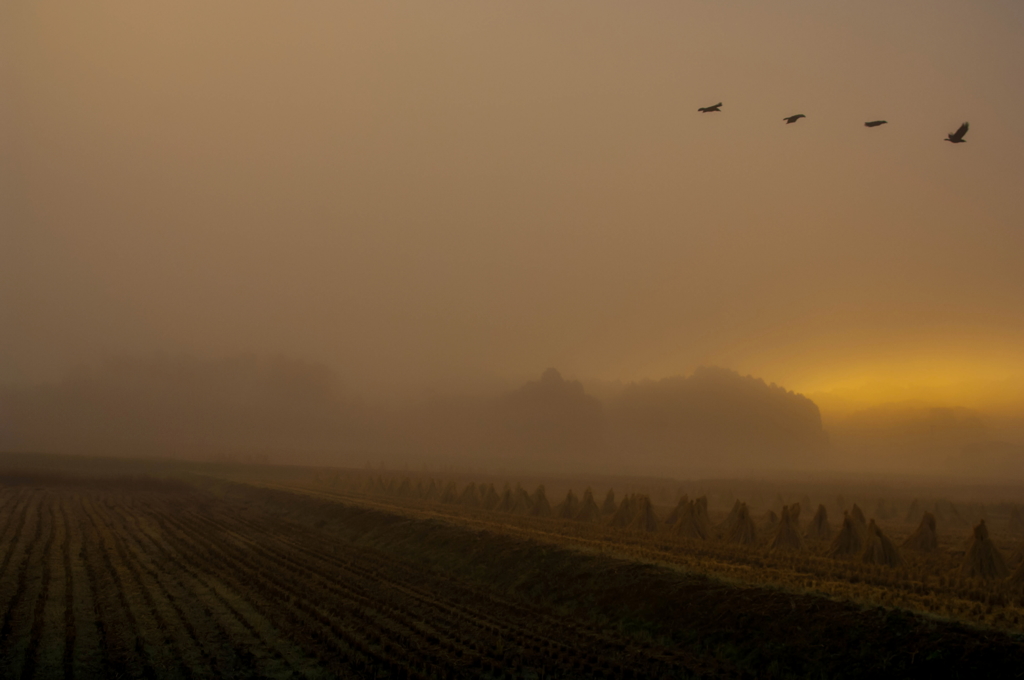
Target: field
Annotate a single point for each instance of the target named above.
(198, 576)
(926, 582)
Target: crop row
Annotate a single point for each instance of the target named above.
(932, 582)
(105, 583)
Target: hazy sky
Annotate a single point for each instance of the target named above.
(437, 193)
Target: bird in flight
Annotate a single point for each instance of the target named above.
(717, 108)
(875, 123)
(793, 119)
(958, 136)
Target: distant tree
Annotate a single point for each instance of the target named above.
(715, 416)
(550, 417)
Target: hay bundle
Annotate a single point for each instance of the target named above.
(489, 499)
(624, 515)
(787, 536)
(949, 514)
(688, 524)
(469, 497)
(914, 512)
(450, 493)
(794, 515)
(924, 539)
(507, 501)
(1017, 577)
(1018, 556)
(678, 510)
(1016, 522)
(588, 512)
(726, 525)
(540, 506)
(848, 541)
(700, 510)
(743, 530)
(609, 506)
(885, 509)
(859, 521)
(819, 529)
(404, 489)
(569, 508)
(983, 559)
(430, 493)
(878, 549)
(644, 520)
(521, 503)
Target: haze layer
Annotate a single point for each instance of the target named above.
(449, 194)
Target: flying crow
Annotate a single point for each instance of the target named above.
(958, 136)
(793, 119)
(717, 108)
(875, 123)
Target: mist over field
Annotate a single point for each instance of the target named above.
(284, 411)
(712, 423)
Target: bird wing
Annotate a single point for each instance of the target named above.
(961, 131)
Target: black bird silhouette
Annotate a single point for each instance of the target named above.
(958, 136)
(793, 119)
(717, 108)
(875, 123)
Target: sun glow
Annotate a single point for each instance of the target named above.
(989, 385)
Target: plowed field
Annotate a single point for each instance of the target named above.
(101, 582)
(166, 580)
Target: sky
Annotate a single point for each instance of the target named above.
(446, 195)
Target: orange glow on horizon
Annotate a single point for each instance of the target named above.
(993, 386)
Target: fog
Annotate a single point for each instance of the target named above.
(712, 423)
(286, 411)
(434, 203)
